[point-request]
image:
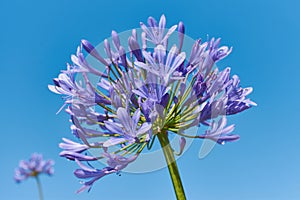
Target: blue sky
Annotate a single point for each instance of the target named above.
(37, 39)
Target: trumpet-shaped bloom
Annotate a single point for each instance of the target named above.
(115, 164)
(219, 133)
(155, 33)
(163, 65)
(127, 128)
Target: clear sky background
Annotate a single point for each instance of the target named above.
(38, 37)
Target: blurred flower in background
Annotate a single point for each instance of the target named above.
(34, 167)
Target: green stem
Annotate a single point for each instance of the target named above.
(39, 185)
(172, 166)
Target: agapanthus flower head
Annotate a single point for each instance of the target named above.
(34, 167)
(148, 89)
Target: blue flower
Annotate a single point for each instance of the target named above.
(163, 65)
(237, 101)
(127, 128)
(219, 133)
(33, 168)
(149, 89)
(155, 33)
(115, 164)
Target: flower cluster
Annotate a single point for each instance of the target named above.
(33, 168)
(145, 90)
